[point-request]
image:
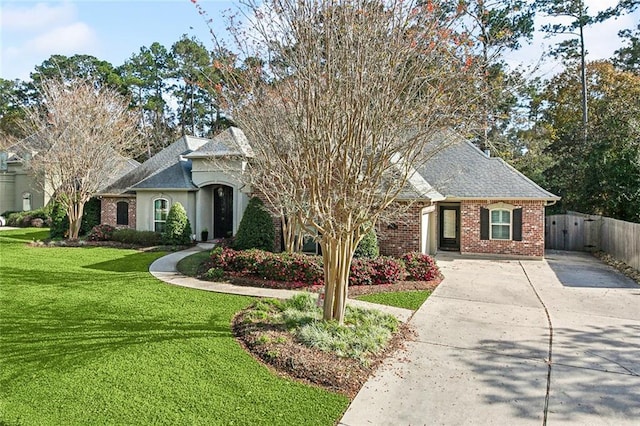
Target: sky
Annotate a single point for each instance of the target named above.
(32, 31)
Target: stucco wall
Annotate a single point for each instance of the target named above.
(14, 184)
(144, 206)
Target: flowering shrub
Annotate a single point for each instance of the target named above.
(302, 270)
(269, 266)
(382, 270)
(420, 267)
(101, 233)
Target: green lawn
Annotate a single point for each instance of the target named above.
(401, 299)
(88, 336)
(190, 265)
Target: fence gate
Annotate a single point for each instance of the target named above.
(572, 231)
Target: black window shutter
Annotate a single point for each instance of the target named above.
(517, 224)
(484, 223)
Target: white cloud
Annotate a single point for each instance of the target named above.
(36, 17)
(32, 33)
(77, 37)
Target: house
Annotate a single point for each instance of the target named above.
(23, 190)
(461, 199)
(20, 190)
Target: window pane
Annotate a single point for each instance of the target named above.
(449, 224)
(495, 216)
(506, 216)
(500, 232)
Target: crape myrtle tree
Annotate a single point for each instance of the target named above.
(341, 108)
(81, 130)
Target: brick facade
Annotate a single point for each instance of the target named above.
(109, 209)
(532, 243)
(403, 236)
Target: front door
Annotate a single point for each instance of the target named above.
(222, 212)
(450, 228)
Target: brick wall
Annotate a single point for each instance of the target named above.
(532, 243)
(109, 209)
(403, 236)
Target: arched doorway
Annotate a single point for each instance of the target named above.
(222, 211)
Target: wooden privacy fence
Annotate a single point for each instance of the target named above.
(582, 232)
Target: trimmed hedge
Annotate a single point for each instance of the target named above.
(142, 238)
(308, 270)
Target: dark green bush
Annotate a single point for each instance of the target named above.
(256, 228)
(177, 229)
(59, 225)
(90, 216)
(141, 238)
(368, 246)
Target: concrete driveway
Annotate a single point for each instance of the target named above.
(515, 342)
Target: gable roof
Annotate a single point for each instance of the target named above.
(460, 170)
(158, 164)
(231, 142)
(171, 167)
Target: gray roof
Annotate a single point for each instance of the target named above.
(176, 176)
(231, 142)
(171, 167)
(460, 170)
(162, 164)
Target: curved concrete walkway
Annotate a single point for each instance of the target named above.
(165, 269)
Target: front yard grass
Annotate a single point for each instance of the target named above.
(401, 299)
(88, 336)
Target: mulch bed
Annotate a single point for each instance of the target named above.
(286, 357)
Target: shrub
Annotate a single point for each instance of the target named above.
(256, 228)
(420, 267)
(303, 269)
(368, 246)
(142, 238)
(25, 218)
(90, 216)
(59, 225)
(37, 223)
(383, 270)
(214, 274)
(177, 228)
(101, 233)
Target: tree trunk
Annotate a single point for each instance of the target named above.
(336, 254)
(289, 228)
(74, 212)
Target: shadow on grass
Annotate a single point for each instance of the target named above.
(134, 262)
(36, 338)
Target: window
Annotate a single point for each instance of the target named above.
(501, 221)
(26, 201)
(160, 212)
(500, 224)
(122, 213)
